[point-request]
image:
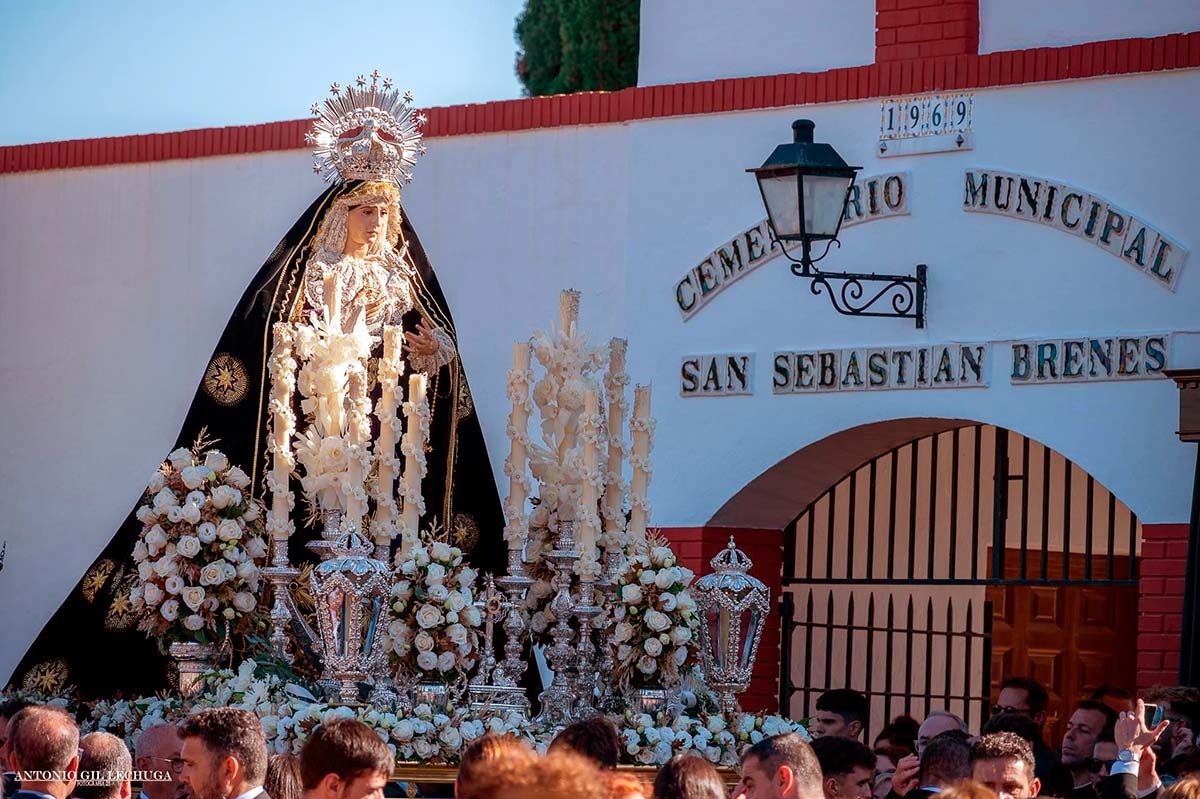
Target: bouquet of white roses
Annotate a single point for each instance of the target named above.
(200, 549)
(434, 634)
(654, 619)
(650, 740)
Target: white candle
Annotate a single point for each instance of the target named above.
(589, 437)
(614, 488)
(516, 527)
(282, 368)
(390, 368)
(416, 433)
(642, 426)
(568, 310)
(332, 290)
(358, 432)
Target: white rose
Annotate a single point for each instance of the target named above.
(188, 546)
(451, 617)
(472, 616)
(165, 499)
(174, 514)
(397, 629)
(252, 512)
(146, 514)
(193, 597)
(140, 551)
(458, 601)
(466, 577)
(135, 596)
(229, 530)
(221, 497)
(439, 592)
(657, 621)
(680, 636)
(653, 647)
(457, 634)
(196, 498)
(624, 651)
(428, 616)
(420, 556)
(237, 478)
(451, 737)
(647, 577)
(152, 594)
(684, 602)
(170, 609)
(247, 570)
(667, 602)
(445, 661)
(194, 476)
(665, 579)
(244, 601)
(424, 641)
(647, 664)
(145, 570)
(228, 570)
(155, 539)
(157, 481)
(216, 461)
(623, 632)
(440, 551)
(660, 554)
(435, 573)
(234, 555)
(165, 567)
(229, 613)
(631, 594)
(427, 661)
(174, 584)
(212, 574)
(180, 458)
(255, 548)
(207, 533)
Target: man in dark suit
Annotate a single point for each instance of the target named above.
(344, 759)
(224, 754)
(43, 749)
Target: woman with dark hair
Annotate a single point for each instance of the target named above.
(688, 777)
(283, 777)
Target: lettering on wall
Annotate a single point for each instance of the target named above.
(880, 368)
(723, 375)
(871, 198)
(1079, 213)
(1079, 360)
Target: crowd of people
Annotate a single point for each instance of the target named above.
(1114, 747)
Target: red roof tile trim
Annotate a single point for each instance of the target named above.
(957, 72)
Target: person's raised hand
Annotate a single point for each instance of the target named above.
(906, 777)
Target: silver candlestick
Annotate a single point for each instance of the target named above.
(610, 700)
(586, 611)
(280, 575)
(515, 584)
(557, 700)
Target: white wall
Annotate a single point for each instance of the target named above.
(1020, 24)
(117, 282)
(682, 40)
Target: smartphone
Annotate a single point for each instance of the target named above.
(1154, 716)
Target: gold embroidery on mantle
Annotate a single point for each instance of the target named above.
(225, 379)
(120, 613)
(95, 579)
(47, 677)
(465, 532)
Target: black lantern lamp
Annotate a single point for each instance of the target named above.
(805, 185)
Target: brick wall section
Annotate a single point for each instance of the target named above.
(908, 29)
(1160, 603)
(696, 546)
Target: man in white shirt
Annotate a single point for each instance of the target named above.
(224, 754)
(158, 751)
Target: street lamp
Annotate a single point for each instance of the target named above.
(804, 186)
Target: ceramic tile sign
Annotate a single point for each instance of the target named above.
(880, 368)
(873, 197)
(1084, 360)
(1079, 213)
(927, 123)
(728, 374)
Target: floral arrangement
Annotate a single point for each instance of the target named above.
(434, 634)
(654, 619)
(200, 550)
(651, 740)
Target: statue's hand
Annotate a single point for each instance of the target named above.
(423, 342)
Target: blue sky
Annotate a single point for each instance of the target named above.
(92, 68)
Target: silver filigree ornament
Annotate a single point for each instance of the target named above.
(366, 131)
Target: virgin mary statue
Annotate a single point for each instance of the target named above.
(366, 141)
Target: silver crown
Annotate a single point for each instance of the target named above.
(366, 132)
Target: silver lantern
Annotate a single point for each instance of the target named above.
(350, 590)
(733, 607)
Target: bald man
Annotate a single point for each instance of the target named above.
(107, 763)
(43, 749)
(157, 749)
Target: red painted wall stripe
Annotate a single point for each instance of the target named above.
(1118, 57)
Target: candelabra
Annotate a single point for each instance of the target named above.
(610, 698)
(280, 575)
(586, 610)
(558, 699)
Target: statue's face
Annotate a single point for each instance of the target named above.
(366, 225)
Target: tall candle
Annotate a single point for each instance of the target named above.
(589, 439)
(614, 488)
(641, 425)
(416, 433)
(568, 309)
(282, 368)
(516, 528)
(332, 294)
(390, 368)
(358, 432)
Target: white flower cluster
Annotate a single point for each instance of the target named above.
(200, 550)
(655, 619)
(653, 741)
(434, 635)
(127, 718)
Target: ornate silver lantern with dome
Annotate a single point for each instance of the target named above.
(733, 607)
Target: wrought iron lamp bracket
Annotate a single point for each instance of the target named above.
(904, 293)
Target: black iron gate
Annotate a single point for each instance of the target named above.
(890, 577)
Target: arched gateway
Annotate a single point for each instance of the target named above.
(926, 559)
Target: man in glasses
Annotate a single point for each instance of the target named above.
(1088, 724)
(158, 750)
(1023, 696)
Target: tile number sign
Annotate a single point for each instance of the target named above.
(928, 123)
